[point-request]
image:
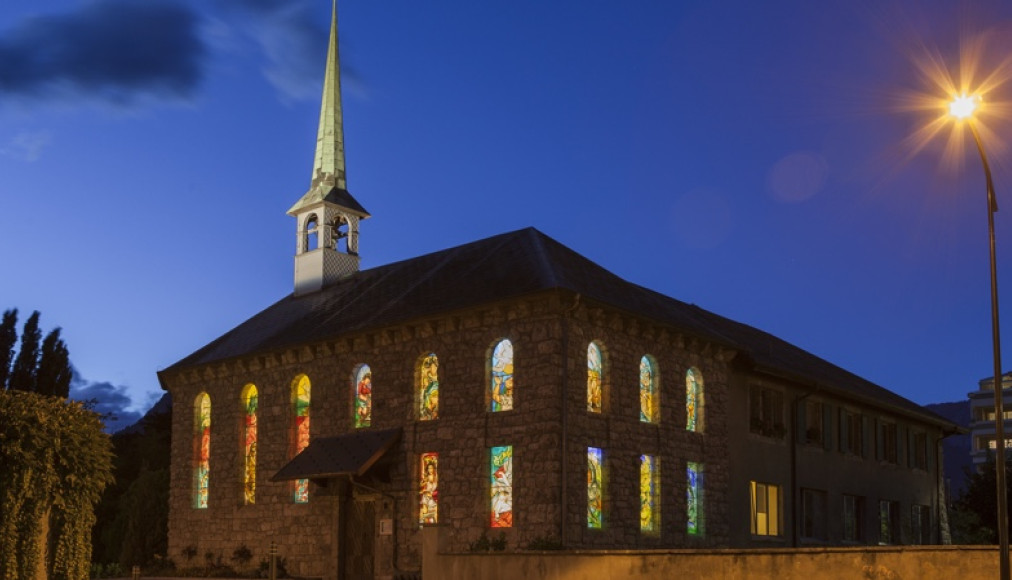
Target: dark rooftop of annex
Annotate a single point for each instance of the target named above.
(512, 265)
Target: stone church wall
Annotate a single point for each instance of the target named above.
(549, 333)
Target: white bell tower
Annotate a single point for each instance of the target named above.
(327, 216)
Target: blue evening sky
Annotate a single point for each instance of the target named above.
(744, 156)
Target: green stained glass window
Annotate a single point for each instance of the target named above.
(649, 493)
(595, 487)
(595, 375)
(301, 392)
(428, 387)
(501, 485)
(648, 391)
(693, 472)
(428, 489)
(363, 396)
(501, 389)
(693, 400)
(202, 434)
(249, 474)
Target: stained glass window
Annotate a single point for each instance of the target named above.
(648, 391)
(300, 410)
(693, 400)
(594, 378)
(202, 442)
(649, 493)
(693, 474)
(428, 489)
(501, 389)
(363, 396)
(428, 387)
(249, 429)
(501, 484)
(595, 487)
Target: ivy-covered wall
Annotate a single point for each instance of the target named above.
(54, 463)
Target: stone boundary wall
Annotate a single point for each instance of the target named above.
(866, 562)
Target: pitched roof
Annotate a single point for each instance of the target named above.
(348, 454)
(507, 266)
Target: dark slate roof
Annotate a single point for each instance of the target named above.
(508, 266)
(349, 454)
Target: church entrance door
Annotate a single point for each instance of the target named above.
(359, 539)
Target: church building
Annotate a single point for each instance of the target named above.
(519, 396)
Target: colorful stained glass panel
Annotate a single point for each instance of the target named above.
(202, 471)
(594, 376)
(693, 473)
(501, 484)
(595, 487)
(693, 395)
(648, 493)
(648, 391)
(428, 388)
(363, 396)
(428, 489)
(250, 444)
(501, 389)
(301, 393)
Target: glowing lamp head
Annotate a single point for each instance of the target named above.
(963, 106)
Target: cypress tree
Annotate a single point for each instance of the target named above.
(23, 376)
(54, 372)
(8, 337)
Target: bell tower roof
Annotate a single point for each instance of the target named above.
(329, 182)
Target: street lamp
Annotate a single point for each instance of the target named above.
(962, 107)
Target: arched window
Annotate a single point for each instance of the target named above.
(300, 430)
(249, 446)
(339, 230)
(201, 449)
(648, 390)
(428, 387)
(363, 396)
(693, 499)
(501, 387)
(595, 378)
(311, 240)
(649, 493)
(428, 489)
(595, 488)
(693, 400)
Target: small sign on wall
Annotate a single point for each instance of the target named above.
(386, 527)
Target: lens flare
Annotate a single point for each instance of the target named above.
(963, 106)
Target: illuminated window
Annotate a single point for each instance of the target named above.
(767, 509)
(649, 494)
(595, 487)
(428, 387)
(501, 485)
(363, 396)
(428, 489)
(648, 391)
(693, 400)
(501, 388)
(202, 449)
(300, 430)
(693, 499)
(249, 446)
(595, 376)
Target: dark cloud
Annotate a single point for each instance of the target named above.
(113, 49)
(110, 400)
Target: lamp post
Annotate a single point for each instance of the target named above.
(963, 107)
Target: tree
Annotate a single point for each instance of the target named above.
(54, 373)
(974, 513)
(23, 376)
(8, 338)
(39, 369)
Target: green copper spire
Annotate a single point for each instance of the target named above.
(328, 181)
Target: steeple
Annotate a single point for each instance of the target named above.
(327, 213)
